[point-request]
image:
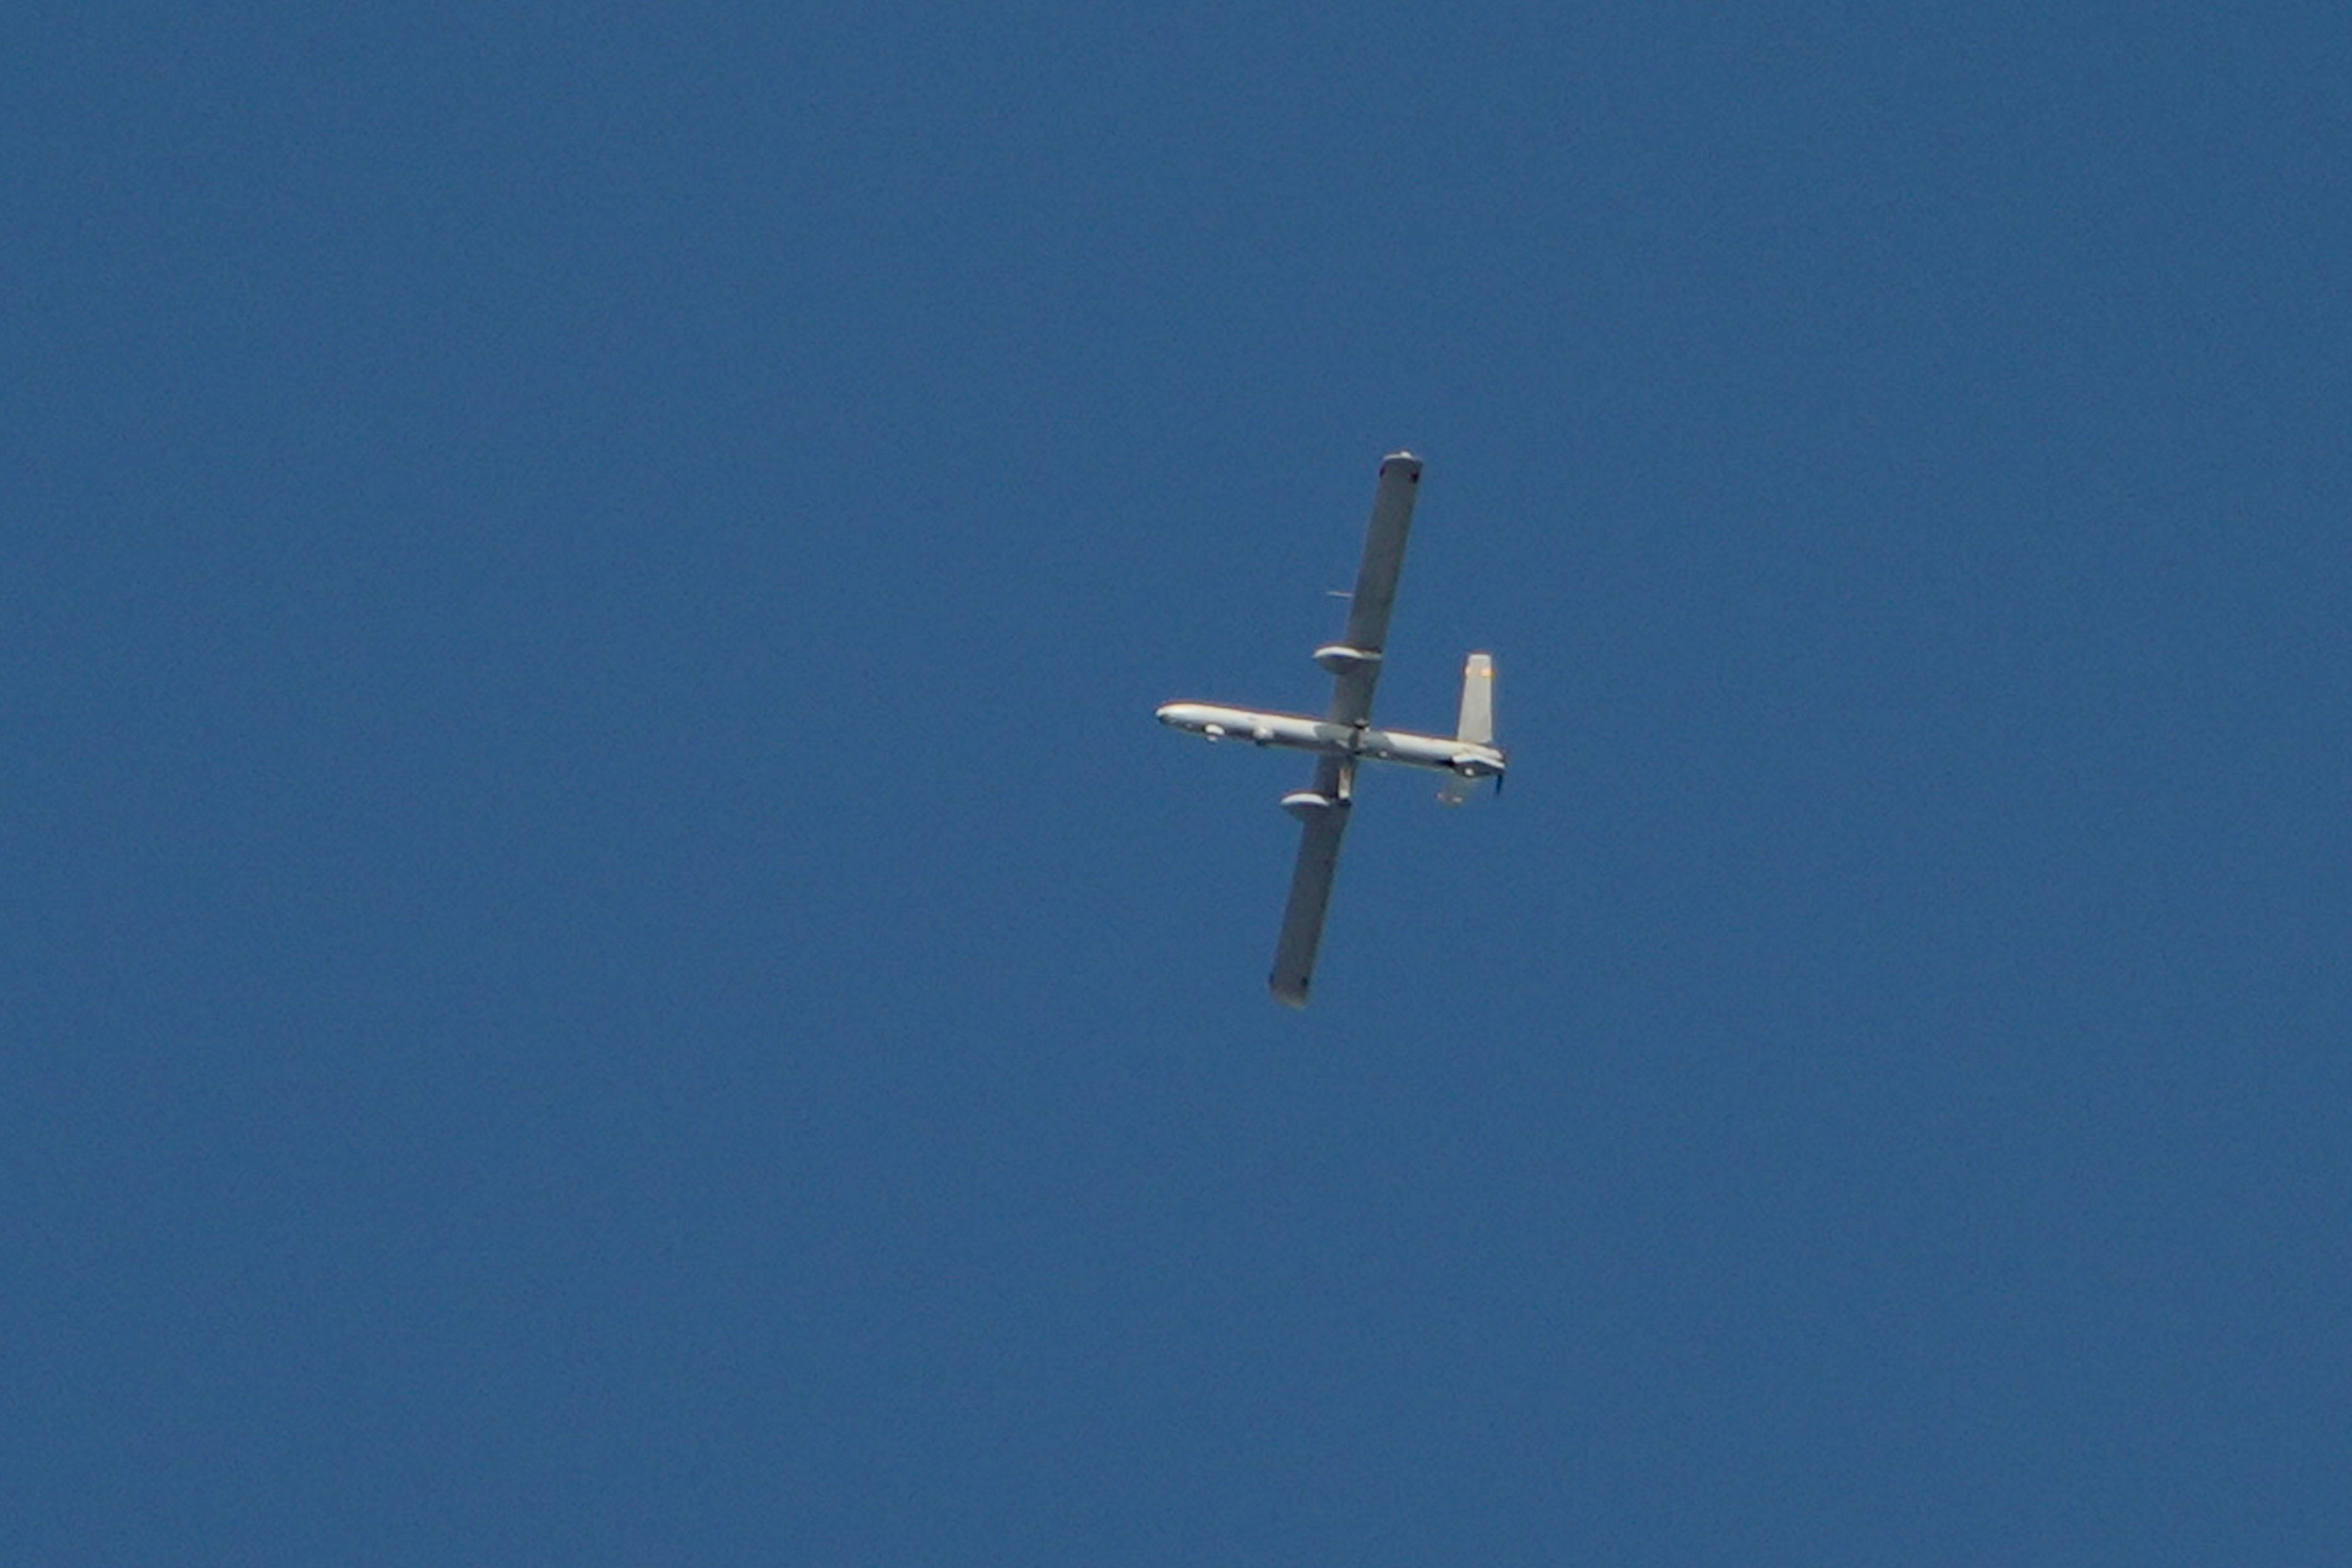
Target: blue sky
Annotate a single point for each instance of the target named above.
(601, 961)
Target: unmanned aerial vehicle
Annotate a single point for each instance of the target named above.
(1344, 737)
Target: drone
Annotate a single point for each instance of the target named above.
(1344, 736)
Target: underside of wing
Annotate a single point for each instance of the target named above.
(1375, 595)
(1325, 811)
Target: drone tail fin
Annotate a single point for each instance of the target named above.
(1475, 727)
(1477, 721)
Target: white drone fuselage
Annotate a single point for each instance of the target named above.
(1298, 733)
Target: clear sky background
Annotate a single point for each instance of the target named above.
(601, 961)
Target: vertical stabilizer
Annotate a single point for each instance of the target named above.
(1477, 721)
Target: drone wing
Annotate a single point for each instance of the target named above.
(1356, 659)
(1325, 811)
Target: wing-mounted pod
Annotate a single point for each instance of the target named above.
(1309, 805)
(1340, 659)
(1329, 796)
